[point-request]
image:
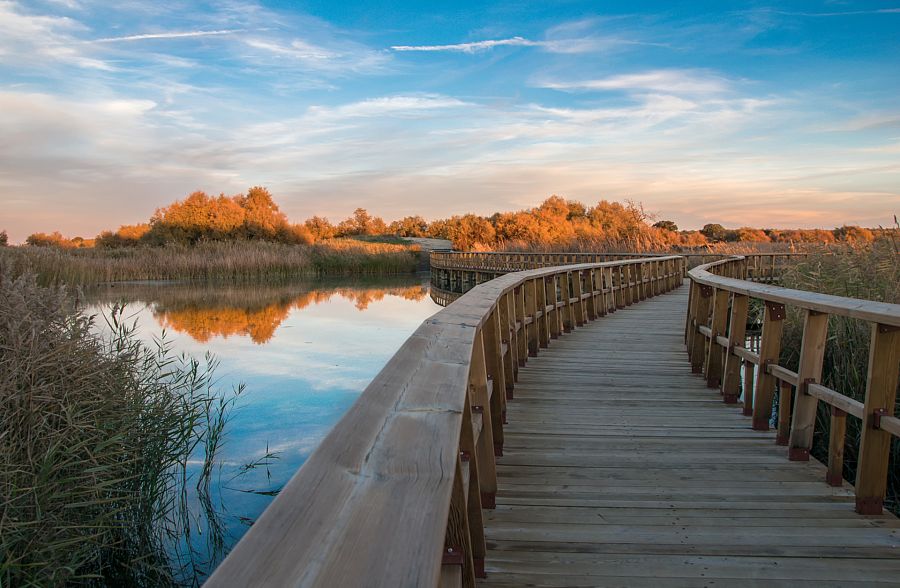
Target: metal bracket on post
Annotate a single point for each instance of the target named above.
(804, 386)
(453, 556)
(705, 291)
(876, 417)
(776, 309)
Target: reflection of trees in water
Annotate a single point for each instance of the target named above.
(204, 312)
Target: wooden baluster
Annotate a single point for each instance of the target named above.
(552, 300)
(530, 311)
(835, 474)
(611, 294)
(737, 334)
(544, 322)
(619, 286)
(812, 354)
(564, 280)
(718, 324)
(785, 401)
(495, 410)
(881, 397)
(593, 304)
(701, 317)
(747, 389)
(458, 562)
(508, 336)
(577, 277)
(769, 349)
(639, 291)
(628, 278)
(522, 336)
(689, 330)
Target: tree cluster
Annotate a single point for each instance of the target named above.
(556, 222)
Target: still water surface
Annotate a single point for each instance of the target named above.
(304, 352)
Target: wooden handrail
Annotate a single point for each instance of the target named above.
(394, 493)
(718, 308)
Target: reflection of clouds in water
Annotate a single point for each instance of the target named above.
(321, 348)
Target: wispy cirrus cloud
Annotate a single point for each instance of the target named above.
(669, 81)
(168, 35)
(473, 47)
(585, 44)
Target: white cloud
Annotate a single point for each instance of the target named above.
(586, 44)
(472, 47)
(31, 41)
(671, 81)
(168, 35)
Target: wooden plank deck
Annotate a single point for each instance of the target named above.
(621, 468)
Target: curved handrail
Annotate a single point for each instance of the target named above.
(760, 265)
(393, 494)
(715, 334)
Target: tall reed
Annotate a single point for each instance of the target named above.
(97, 438)
(242, 261)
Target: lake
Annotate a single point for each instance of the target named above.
(304, 352)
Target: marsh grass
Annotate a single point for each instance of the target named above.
(99, 438)
(237, 261)
(869, 272)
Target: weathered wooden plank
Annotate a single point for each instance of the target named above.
(607, 458)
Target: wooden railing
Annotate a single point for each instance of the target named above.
(394, 494)
(715, 336)
(760, 266)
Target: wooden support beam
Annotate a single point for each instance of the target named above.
(881, 397)
(737, 331)
(835, 474)
(718, 324)
(769, 349)
(812, 354)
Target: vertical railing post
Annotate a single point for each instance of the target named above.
(508, 337)
(838, 429)
(701, 317)
(737, 332)
(531, 329)
(812, 355)
(769, 349)
(881, 398)
(522, 335)
(593, 305)
(553, 301)
(493, 355)
(567, 322)
(611, 304)
(577, 277)
(544, 320)
(785, 401)
(618, 275)
(719, 321)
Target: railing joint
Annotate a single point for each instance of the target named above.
(877, 414)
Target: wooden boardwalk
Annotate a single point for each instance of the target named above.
(621, 468)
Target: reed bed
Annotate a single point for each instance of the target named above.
(99, 439)
(241, 261)
(870, 272)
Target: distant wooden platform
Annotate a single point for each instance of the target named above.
(621, 468)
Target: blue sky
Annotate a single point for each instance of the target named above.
(746, 113)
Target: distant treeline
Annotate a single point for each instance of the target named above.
(555, 222)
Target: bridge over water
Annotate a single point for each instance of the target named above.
(548, 428)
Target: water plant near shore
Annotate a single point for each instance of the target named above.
(106, 443)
